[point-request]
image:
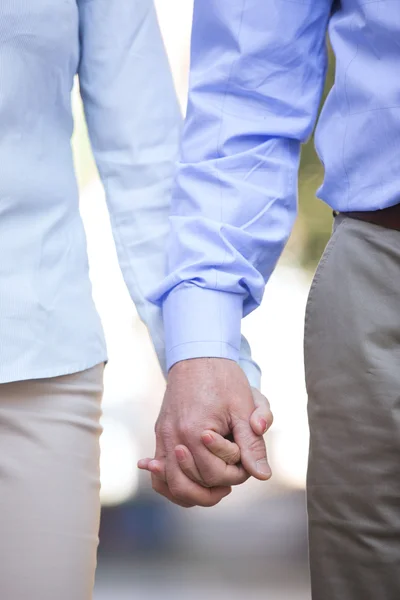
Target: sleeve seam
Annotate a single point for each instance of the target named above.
(204, 342)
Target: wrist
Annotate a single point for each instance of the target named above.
(192, 364)
(205, 372)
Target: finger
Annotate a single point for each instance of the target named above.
(157, 468)
(214, 472)
(252, 450)
(187, 464)
(158, 471)
(162, 488)
(187, 491)
(154, 466)
(261, 418)
(226, 450)
(143, 463)
(177, 487)
(226, 476)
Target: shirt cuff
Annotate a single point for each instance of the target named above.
(252, 372)
(200, 323)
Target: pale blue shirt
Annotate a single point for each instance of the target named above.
(257, 74)
(48, 322)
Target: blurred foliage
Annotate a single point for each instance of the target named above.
(315, 218)
(84, 164)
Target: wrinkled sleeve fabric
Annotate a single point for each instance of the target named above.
(257, 74)
(134, 124)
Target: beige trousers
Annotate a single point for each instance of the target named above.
(49, 486)
(352, 353)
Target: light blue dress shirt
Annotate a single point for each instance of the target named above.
(257, 74)
(48, 322)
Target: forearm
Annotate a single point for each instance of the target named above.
(257, 76)
(134, 125)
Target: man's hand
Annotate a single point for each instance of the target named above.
(260, 421)
(206, 400)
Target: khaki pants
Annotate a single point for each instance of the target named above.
(49, 487)
(352, 353)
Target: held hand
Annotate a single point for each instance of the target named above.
(206, 400)
(261, 420)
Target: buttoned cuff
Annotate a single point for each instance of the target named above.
(252, 372)
(201, 323)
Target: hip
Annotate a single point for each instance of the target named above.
(38, 344)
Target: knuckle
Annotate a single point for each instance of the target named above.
(191, 473)
(232, 458)
(198, 479)
(213, 500)
(163, 431)
(211, 480)
(208, 500)
(185, 430)
(157, 486)
(210, 503)
(243, 478)
(256, 446)
(240, 479)
(179, 493)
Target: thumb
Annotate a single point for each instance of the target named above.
(261, 418)
(252, 449)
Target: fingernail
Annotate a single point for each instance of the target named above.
(207, 439)
(180, 454)
(263, 467)
(263, 424)
(154, 465)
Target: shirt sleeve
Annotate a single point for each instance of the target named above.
(257, 74)
(134, 125)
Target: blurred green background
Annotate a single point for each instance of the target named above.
(315, 218)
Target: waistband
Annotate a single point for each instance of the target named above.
(387, 217)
